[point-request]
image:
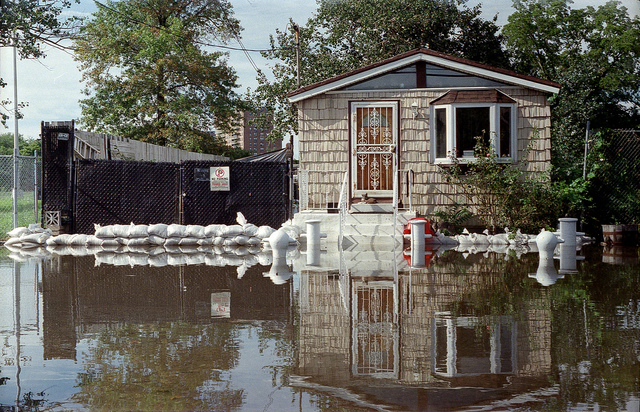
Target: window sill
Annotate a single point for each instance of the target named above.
(466, 160)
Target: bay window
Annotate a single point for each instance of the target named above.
(459, 119)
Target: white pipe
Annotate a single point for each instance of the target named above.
(417, 243)
(568, 230)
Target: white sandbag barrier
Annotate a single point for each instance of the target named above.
(153, 245)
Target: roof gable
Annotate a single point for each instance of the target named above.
(432, 59)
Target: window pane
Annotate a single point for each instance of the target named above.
(505, 132)
(441, 133)
(471, 122)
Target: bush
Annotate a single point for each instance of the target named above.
(506, 195)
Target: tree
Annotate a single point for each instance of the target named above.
(26, 147)
(345, 35)
(594, 54)
(28, 25)
(150, 77)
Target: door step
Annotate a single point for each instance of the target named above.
(371, 208)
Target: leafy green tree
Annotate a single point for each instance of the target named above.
(25, 147)
(345, 35)
(150, 77)
(29, 146)
(594, 54)
(28, 25)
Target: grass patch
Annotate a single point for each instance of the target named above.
(25, 211)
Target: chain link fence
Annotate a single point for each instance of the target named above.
(29, 193)
(615, 162)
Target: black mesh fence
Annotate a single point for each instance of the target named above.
(615, 160)
(256, 189)
(85, 295)
(57, 167)
(121, 192)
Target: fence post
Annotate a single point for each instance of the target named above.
(35, 185)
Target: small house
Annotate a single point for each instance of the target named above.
(377, 137)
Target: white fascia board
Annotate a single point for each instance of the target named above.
(501, 77)
(462, 67)
(367, 74)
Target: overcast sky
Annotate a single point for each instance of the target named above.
(51, 86)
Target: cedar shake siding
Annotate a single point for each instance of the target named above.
(324, 138)
(420, 80)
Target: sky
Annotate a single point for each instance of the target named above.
(51, 86)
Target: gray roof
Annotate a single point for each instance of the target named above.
(279, 156)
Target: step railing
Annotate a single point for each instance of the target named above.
(404, 187)
(320, 189)
(343, 206)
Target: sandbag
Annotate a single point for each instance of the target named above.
(158, 229)
(138, 259)
(172, 241)
(241, 219)
(138, 241)
(110, 243)
(264, 232)
(175, 230)
(156, 240)
(188, 241)
(120, 230)
(158, 260)
(233, 230)
(213, 230)
(79, 240)
(196, 231)
(104, 232)
(196, 259)
(14, 241)
(250, 229)
(207, 241)
(17, 232)
(138, 231)
(241, 240)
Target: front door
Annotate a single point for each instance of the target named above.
(374, 137)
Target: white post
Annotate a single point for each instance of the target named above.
(568, 259)
(546, 274)
(313, 242)
(417, 243)
(279, 242)
(568, 230)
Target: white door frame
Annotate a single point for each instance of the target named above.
(379, 160)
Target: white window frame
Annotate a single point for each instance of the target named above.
(494, 133)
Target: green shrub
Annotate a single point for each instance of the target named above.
(507, 195)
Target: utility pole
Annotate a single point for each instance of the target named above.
(16, 142)
(297, 30)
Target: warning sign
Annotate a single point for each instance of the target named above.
(221, 304)
(219, 178)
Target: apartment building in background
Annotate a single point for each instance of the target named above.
(249, 136)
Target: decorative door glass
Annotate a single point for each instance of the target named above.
(374, 138)
(375, 337)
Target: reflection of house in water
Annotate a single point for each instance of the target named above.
(80, 298)
(406, 339)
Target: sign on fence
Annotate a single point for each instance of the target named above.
(221, 304)
(219, 178)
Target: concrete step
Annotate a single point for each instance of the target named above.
(360, 228)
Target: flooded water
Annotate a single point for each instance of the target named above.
(359, 330)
